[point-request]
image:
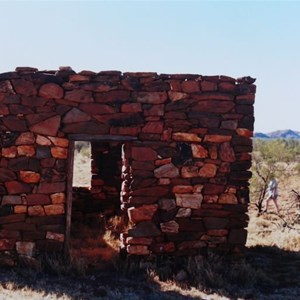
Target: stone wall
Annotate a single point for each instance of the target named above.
(186, 141)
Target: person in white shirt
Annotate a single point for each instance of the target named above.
(272, 194)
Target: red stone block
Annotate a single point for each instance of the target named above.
(79, 96)
(25, 138)
(190, 86)
(142, 213)
(6, 244)
(38, 199)
(16, 187)
(51, 90)
(75, 116)
(163, 247)
(150, 97)
(97, 109)
(4, 109)
(213, 189)
(143, 153)
(112, 97)
(158, 191)
(226, 152)
(26, 150)
(153, 127)
(47, 127)
(132, 131)
(14, 123)
(50, 188)
(30, 176)
(214, 106)
(144, 229)
(131, 107)
(24, 87)
(7, 175)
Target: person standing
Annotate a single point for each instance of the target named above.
(272, 194)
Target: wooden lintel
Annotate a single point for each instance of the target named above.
(101, 137)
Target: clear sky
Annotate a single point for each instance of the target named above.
(234, 38)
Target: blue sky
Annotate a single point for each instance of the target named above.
(237, 38)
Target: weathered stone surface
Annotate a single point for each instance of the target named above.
(4, 109)
(217, 232)
(47, 127)
(163, 247)
(210, 198)
(16, 187)
(191, 225)
(59, 142)
(142, 213)
(30, 176)
(227, 153)
(59, 152)
(38, 199)
(208, 171)
(189, 200)
(166, 204)
(51, 90)
(54, 209)
(89, 127)
(184, 213)
(6, 244)
(244, 132)
(6, 87)
(58, 198)
(20, 209)
(7, 175)
(25, 248)
(55, 236)
(189, 171)
(79, 96)
(185, 137)
(24, 87)
(158, 191)
(25, 138)
(213, 189)
(175, 96)
(169, 227)
(76, 115)
(228, 199)
(26, 150)
(12, 219)
(190, 86)
(9, 152)
(131, 107)
(168, 170)
(36, 210)
(150, 97)
(153, 127)
(143, 153)
(144, 229)
(182, 189)
(43, 141)
(139, 241)
(215, 223)
(138, 250)
(14, 123)
(215, 138)
(50, 188)
(10, 199)
(199, 151)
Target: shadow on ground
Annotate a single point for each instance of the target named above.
(277, 272)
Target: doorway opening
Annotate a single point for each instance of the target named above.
(95, 219)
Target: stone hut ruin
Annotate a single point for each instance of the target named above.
(170, 155)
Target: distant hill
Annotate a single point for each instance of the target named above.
(278, 134)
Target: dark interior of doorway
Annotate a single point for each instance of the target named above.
(96, 217)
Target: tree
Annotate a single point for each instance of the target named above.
(270, 158)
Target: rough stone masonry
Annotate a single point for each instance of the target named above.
(185, 161)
